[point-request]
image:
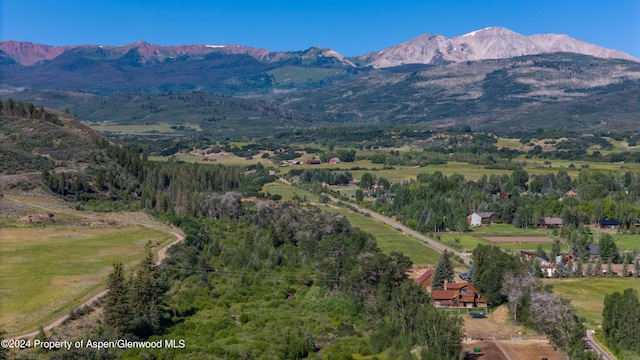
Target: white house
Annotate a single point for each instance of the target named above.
(478, 218)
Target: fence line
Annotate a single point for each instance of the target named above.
(516, 337)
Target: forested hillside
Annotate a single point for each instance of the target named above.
(34, 139)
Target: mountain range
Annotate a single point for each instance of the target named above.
(486, 78)
(487, 43)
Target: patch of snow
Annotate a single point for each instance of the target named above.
(215, 46)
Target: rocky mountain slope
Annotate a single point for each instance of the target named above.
(488, 43)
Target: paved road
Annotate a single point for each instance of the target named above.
(434, 244)
(595, 346)
(162, 253)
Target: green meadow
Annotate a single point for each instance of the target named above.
(46, 272)
(587, 294)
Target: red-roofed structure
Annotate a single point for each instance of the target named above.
(462, 294)
(425, 279)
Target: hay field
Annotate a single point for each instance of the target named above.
(46, 271)
(519, 239)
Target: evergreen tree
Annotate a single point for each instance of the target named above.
(609, 268)
(589, 271)
(117, 302)
(444, 271)
(146, 296)
(625, 266)
(597, 271)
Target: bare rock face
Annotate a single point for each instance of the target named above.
(488, 43)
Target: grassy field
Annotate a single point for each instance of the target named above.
(288, 192)
(627, 241)
(388, 238)
(587, 294)
(506, 230)
(45, 272)
(468, 243)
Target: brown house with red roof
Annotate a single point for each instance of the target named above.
(462, 294)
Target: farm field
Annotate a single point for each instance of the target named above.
(587, 294)
(467, 242)
(45, 272)
(518, 239)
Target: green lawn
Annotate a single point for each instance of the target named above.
(45, 272)
(627, 241)
(507, 230)
(587, 294)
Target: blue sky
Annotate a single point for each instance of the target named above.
(349, 27)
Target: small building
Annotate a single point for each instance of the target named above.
(484, 217)
(425, 279)
(314, 162)
(550, 222)
(571, 193)
(334, 161)
(610, 224)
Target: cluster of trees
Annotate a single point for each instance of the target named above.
(325, 176)
(133, 304)
(435, 202)
(120, 176)
(501, 277)
(620, 323)
(11, 108)
(256, 273)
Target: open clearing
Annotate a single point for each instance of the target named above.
(488, 350)
(44, 272)
(529, 349)
(587, 294)
(495, 332)
(518, 239)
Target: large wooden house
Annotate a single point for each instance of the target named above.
(460, 295)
